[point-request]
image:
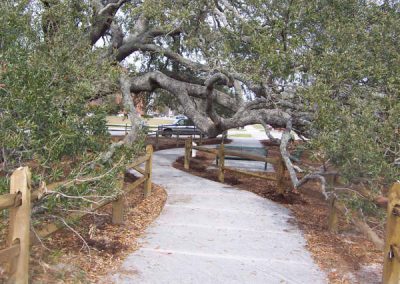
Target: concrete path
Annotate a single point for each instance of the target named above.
(213, 233)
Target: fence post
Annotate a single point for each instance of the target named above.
(118, 210)
(201, 139)
(391, 266)
(224, 136)
(221, 164)
(333, 216)
(148, 170)
(188, 150)
(177, 140)
(20, 219)
(118, 205)
(157, 140)
(280, 175)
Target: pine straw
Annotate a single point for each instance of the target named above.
(68, 259)
(344, 256)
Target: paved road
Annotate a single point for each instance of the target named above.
(213, 233)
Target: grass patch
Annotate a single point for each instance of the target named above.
(158, 121)
(258, 126)
(118, 120)
(240, 135)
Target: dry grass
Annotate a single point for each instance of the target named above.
(117, 120)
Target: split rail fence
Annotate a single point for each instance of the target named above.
(221, 152)
(19, 201)
(391, 245)
(154, 132)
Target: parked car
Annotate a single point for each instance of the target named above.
(181, 127)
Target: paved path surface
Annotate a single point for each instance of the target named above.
(213, 233)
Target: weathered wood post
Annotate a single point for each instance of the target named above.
(221, 163)
(201, 139)
(177, 140)
(148, 170)
(333, 215)
(157, 134)
(188, 152)
(391, 266)
(20, 219)
(280, 175)
(224, 136)
(118, 211)
(333, 211)
(118, 204)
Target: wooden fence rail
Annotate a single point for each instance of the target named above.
(221, 152)
(391, 266)
(16, 254)
(118, 202)
(177, 139)
(335, 206)
(392, 244)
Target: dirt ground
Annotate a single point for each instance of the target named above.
(65, 257)
(94, 246)
(346, 257)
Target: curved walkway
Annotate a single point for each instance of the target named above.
(209, 232)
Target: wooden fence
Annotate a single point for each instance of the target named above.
(16, 254)
(119, 127)
(391, 246)
(177, 138)
(391, 253)
(221, 152)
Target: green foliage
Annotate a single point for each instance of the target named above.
(356, 93)
(344, 54)
(46, 86)
(48, 75)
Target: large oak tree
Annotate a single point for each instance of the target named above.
(326, 69)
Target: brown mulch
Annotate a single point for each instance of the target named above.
(65, 258)
(346, 257)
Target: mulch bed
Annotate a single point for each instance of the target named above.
(65, 258)
(347, 257)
